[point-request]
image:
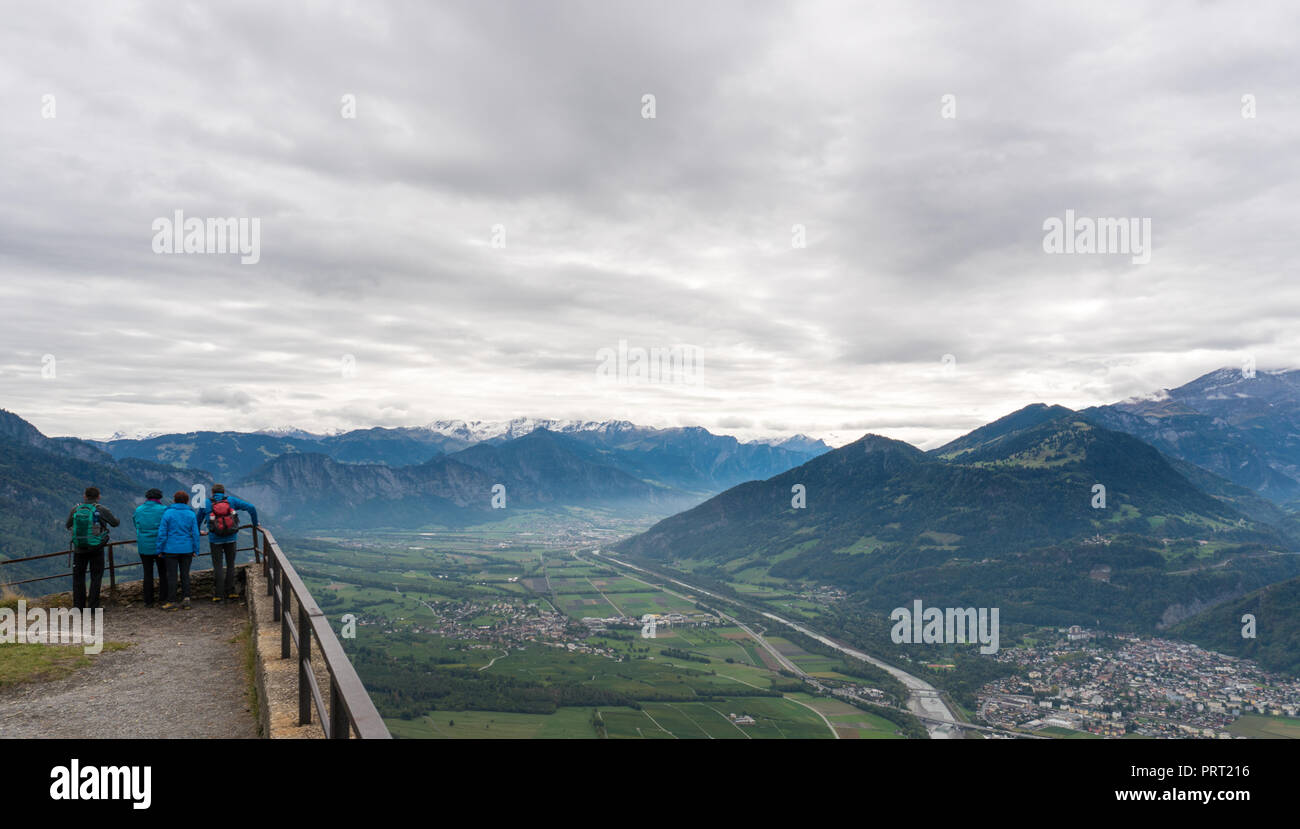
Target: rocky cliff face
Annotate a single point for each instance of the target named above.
(1244, 429)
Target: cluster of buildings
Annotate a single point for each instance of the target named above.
(599, 625)
(824, 594)
(512, 622)
(852, 691)
(517, 624)
(1112, 685)
(583, 647)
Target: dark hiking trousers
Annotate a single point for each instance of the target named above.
(83, 558)
(178, 575)
(223, 568)
(147, 564)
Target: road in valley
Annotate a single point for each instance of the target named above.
(923, 699)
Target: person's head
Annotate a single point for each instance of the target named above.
(154, 494)
(218, 489)
(181, 497)
(92, 494)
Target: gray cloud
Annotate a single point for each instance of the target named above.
(924, 234)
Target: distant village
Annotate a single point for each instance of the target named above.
(519, 623)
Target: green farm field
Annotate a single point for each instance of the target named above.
(687, 681)
(1258, 725)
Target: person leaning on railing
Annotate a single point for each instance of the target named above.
(89, 522)
(146, 519)
(223, 533)
(178, 543)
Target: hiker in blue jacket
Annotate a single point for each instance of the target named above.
(147, 518)
(178, 544)
(223, 529)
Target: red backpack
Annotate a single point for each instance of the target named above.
(223, 520)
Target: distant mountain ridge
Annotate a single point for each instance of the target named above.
(1242, 428)
(1003, 516)
(411, 477)
(689, 459)
(1012, 485)
(41, 478)
(540, 470)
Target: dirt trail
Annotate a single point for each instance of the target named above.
(182, 676)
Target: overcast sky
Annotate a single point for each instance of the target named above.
(924, 233)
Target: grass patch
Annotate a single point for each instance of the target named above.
(9, 597)
(42, 663)
(249, 646)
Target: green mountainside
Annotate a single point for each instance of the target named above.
(1007, 522)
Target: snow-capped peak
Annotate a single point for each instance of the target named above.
(138, 435)
(481, 430)
(292, 432)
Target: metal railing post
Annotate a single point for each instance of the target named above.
(304, 664)
(340, 729)
(112, 575)
(267, 570)
(272, 582)
(285, 606)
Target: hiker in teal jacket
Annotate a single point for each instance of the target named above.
(178, 543)
(147, 518)
(222, 530)
(89, 522)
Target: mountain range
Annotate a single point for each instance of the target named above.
(1242, 426)
(1145, 514)
(539, 470)
(444, 474)
(1024, 481)
(691, 459)
(1054, 516)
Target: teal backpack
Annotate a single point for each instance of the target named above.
(84, 520)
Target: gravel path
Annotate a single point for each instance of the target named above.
(182, 676)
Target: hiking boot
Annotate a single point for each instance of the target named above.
(186, 604)
(234, 596)
(216, 598)
(167, 606)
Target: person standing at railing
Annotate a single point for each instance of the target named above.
(147, 518)
(178, 544)
(222, 532)
(89, 522)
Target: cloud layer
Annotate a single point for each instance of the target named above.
(499, 211)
